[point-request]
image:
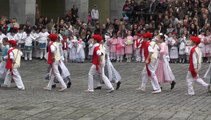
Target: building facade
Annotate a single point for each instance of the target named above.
(27, 10)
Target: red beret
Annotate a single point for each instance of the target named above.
(53, 37)
(12, 42)
(147, 35)
(97, 37)
(195, 39)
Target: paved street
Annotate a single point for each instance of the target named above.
(125, 104)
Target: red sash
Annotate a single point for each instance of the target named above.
(142, 46)
(50, 54)
(191, 65)
(9, 61)
(64, 45)
(146, 54)
(95, 57)
(137, 43)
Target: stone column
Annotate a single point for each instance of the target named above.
(82, 5)
(116, 9)
(23, 10)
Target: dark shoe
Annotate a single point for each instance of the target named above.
(208, 88)
(54, 86)
(173, 84)
(98, 88)
(69, 84)
(118, 85)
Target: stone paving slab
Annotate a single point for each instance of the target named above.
(125, 104)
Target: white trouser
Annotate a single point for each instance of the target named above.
(28, 55)
(190, 81)
(16, 77)
(65, 54)
(42, 53)
(138, 57)
(92, 72)
(142, 56)
(153, 77)
(55, 73)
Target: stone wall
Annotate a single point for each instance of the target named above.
(23, 10)
(116, 8)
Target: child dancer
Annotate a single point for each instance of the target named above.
(54, 57)
(194, 66)
(164, 72)
(12, 65)
(98, 66)
(148, 72)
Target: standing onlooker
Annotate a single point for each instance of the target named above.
(43, 38)
(129, 46)
(95, 15)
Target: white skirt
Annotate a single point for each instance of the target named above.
(174, 53)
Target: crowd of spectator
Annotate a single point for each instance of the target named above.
(182, 17)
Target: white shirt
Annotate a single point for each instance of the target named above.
(35, 35)
(21, 36)
(28, 40)
(12, 37)
(43, 37)
(95, 14)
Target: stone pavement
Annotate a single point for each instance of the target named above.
(125, 104)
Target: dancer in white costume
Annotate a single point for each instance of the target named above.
(98, 66)
(12, 65)
(194, 67)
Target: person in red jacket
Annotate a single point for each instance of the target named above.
(194, 66)
(96, 66)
